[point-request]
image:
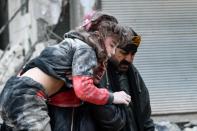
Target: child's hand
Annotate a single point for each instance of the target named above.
(121, 98)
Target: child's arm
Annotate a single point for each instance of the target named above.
(86, 90)
(84, 61)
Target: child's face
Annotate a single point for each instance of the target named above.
(110, 45)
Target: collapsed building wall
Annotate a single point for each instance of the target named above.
(28, 23)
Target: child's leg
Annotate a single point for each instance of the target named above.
(24, 106)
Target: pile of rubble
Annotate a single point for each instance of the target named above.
(169, 126)
(14, 57)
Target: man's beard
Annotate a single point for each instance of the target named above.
(121, 66)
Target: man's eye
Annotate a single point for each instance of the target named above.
(124, 52)
(133, 53)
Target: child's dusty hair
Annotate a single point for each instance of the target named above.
(96, 28)
(107, 29)
(92, 20)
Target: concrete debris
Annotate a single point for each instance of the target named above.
(14, 59)
(191, 129)
(49, 10)
(166, 126)
(191, 126)
(10, 62)
(169, 126)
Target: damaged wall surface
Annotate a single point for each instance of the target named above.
(4, 37)
(25, 25)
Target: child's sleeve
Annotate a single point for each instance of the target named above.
(84, 60)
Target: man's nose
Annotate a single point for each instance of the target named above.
(113, 51)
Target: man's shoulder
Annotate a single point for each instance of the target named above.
(134, 68)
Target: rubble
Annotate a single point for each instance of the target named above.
(48, 10)
(170, 126)
(14, 58)
(191, 126)
(166, 126)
